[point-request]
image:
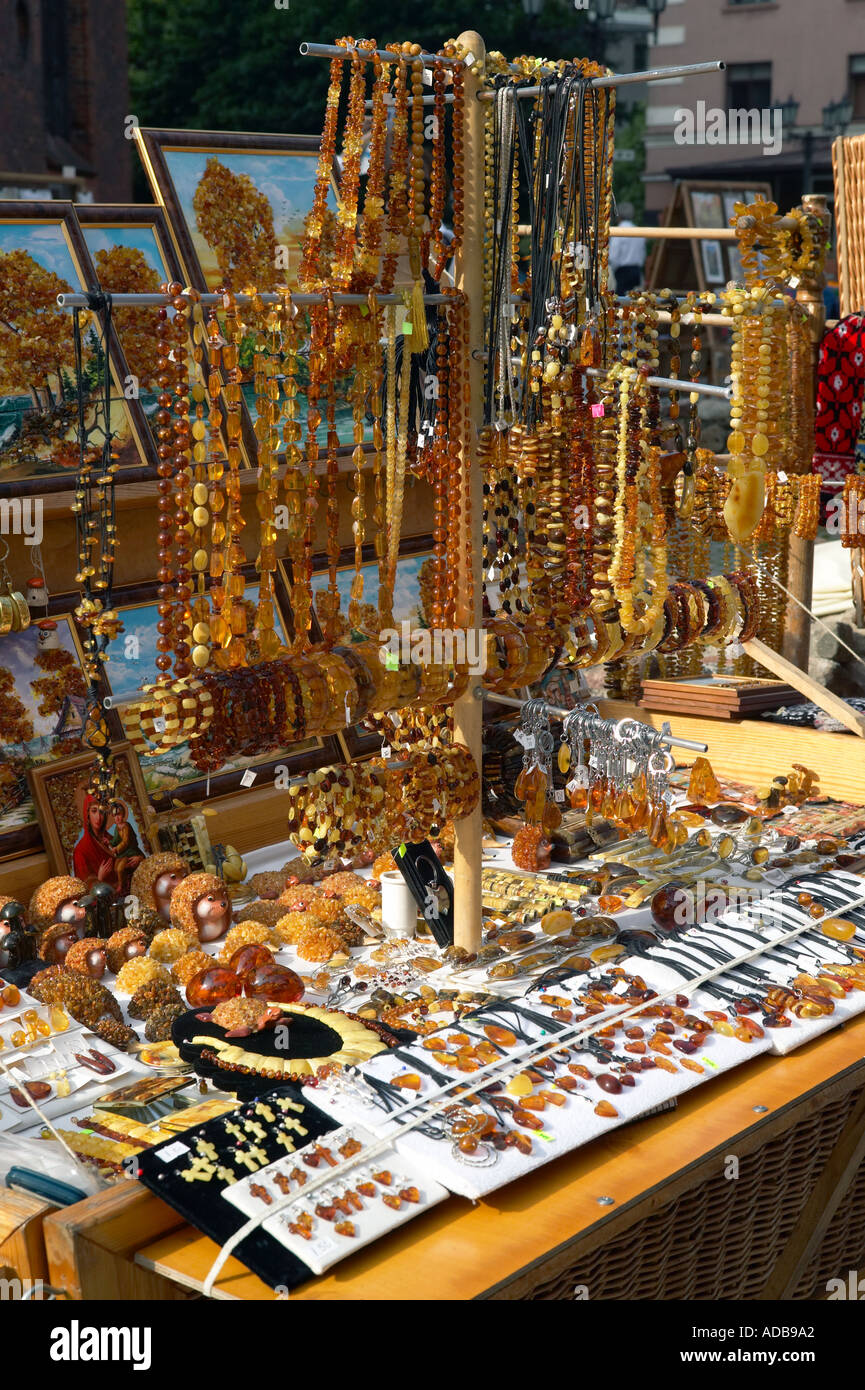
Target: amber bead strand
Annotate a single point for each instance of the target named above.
(332, 499)
(217, 499)
(265, 364)
(165, 470)
(437, 173)
(363, 383)
(234, 654)
(397, 206)
(439, 478)
(200, 608)
(183, 488)
(302, 601)
(457, 404)
(342, 264)
(294, 483)
(369, 248)
(457, 163)
(308, 274)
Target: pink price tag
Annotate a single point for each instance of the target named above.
(598, 410)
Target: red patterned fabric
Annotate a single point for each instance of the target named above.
(840, 389)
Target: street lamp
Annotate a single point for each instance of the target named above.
(656, 9)
(837, 115)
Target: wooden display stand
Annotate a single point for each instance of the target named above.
(22, 1237)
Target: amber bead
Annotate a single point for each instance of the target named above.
(838, 929)
(213, 986)
(609, 1083)
(409, 1081)
(606, 1110)
(247, 957)
(273, 982)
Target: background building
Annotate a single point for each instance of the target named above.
(812, 51)
(64, 94)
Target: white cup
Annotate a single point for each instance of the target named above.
(398, 907)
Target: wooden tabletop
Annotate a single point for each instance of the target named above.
(462, 1250)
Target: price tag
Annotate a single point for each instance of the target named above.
(426, 77)
(598, 410)
(526, 740)
(542, 1134)
(558, 794)
(775, 876)
(386, 750)
(248, 778)
(579, 779)
(173, 1151)
(347, 711)
(407, 327)
(391, 661)
(159, 724)
(322, 1246)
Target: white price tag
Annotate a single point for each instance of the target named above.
(248, 778)
(526, 740)
(427, 76)
(173, 1151)
(159, 724)
(386, 750)
(558, 794)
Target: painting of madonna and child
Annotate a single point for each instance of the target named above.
(98, 841)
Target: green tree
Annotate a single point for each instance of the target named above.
(236, 65)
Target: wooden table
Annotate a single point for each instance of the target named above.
(680, 1224)
(753, 1187)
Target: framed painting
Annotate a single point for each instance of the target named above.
(43, 254)
(413, 574)
(130, 251)
(172, 776)
(95, 843)
(236, 206)
(42, 701)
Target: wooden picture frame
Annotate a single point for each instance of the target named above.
(682, 265)
(108, 230)
(44, 430)
(168, 778)
(178, 161)
(72, 843)
(40, 720)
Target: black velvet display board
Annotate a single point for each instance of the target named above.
(201, 1203)
(307, 1037)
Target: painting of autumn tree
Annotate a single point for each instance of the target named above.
(36, 343)
(63, 676)
(236, 220)
(124, 270)
(16, 726)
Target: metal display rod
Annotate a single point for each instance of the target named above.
(668, 740)
(624, 79)
(701, 388)
(330, 50)
(93, 301)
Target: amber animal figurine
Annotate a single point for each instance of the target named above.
(154, 882)
(201, 906)
(59, 900)
(240, 1017)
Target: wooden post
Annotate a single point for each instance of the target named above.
(800, 571)
(468, 709)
